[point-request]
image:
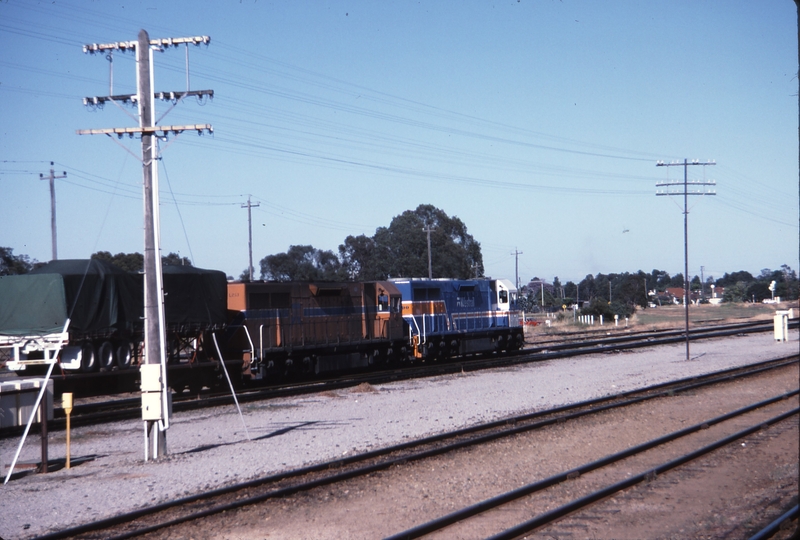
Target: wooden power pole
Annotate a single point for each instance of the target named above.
(53, 179)
(685, 192)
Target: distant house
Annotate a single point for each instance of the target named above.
(675, 294)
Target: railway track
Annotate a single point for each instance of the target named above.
(601, 332)
(602, 492)
(95, 413)
(212, 503)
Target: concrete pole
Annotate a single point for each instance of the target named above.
(153, 307)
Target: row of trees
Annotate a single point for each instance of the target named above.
(399, 250)
(621, 294)
(134, 262)
(11, 264)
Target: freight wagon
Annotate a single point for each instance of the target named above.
(104, 307)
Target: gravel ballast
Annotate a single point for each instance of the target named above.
(209, 448)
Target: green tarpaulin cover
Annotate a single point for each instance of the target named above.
(103, 300)
(32, 305)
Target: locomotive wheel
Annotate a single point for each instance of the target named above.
(88, 358)
(105, 356)
(124, 355)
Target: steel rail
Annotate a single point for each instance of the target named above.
(605, 403)
(505, 498)
(768, 531)
(680, 335)
(558, 513)
(92, 414)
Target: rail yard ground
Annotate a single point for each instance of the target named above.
(663, 317)
(209, 448)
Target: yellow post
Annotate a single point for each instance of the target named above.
(66, 404)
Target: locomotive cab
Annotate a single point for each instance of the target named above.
(505, 295)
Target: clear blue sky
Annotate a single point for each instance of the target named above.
(537, 122)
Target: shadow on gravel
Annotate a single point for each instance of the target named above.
(276, 433)
(53, 465)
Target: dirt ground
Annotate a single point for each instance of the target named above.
(728, 494)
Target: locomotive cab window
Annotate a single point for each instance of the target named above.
(383, 302)
(503, 296)
(396, 301)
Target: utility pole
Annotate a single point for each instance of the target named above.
(702, 282)
(249, 205)
(427, 229)
(516, 254)
(155, 391)
(685, 192)
(53, 178)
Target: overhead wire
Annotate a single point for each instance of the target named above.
(310, 77)
(384, 143)
(178, 209)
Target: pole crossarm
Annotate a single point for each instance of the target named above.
(159, 131)
(687, 191)
(124, 46)
(133, 98)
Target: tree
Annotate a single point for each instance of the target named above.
(558, 289)
(173, 259)
(598, 306)
(695, 284)
(399, 250)
(402, 248)
(676, 281)
(629, 291)
(130, 262)
(570, 290)
(734, 278)
(302, 263)
(758, 291)
(11, 264)
(359, 259)
(586, 288)
(134, 262)
(735, 292)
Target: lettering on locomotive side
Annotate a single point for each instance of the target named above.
(465, 302)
